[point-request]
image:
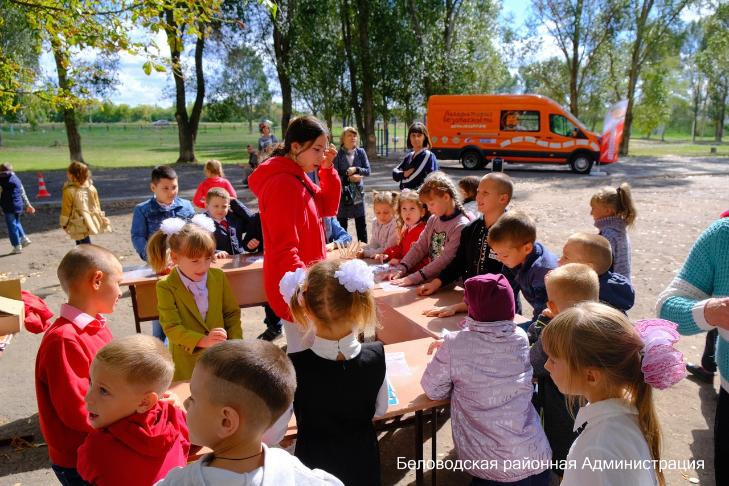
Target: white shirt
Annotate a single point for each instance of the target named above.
(199, 291)
(611, 434)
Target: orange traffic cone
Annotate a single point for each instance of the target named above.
(42, 191)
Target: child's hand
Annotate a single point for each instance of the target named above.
(429, 288)
(446, 311)
(217, 335)
(30, 209)
(381, 257)
(394, 261)
(547, 312)
(394, 275)
(402, 282)
(253, 244)
(435, 345)
(173, 398)
(331, 246)
(222, 254)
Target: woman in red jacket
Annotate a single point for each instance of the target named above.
(291, 208)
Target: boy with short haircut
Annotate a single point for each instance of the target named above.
(526, 261)
(237, 391)
(474, 255)
(567, 286)
(137, 438)
(594, 250)
(148, 216)
(90, 276)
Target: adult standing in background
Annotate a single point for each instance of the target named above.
(267, 141)
(419, 162)
(352, 166)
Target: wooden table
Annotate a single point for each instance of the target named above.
(411, 398)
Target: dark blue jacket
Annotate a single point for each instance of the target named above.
(11, 199)
(424, 163)
(148, 216)
(529, 277)
(341, 165)
(616, 291)
(230, 238)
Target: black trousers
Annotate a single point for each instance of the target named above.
(708, 361)
(360, 223)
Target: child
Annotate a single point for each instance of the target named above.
(90, 276)
(468, 188)
(353, 166)
(485, 370)
(12, 200)
(513, 239)
(416, 165)
(267, 141)
(613, 212)
(238, 389)
(334, 234)
(441, 236)
(566, 286)
(252, 163)
(137, 438)
(474, 255)
(384, 226)
(196, 305)
(214, 177)
(336, 434)
(149, 215)
(412, 218)
(81, 214)
(594, 250)
(596, 352)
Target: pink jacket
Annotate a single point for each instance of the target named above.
(485, 369)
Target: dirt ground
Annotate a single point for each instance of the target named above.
(676, 199)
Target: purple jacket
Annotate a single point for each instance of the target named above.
(485, 369)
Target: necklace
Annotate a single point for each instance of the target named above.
(237, 458)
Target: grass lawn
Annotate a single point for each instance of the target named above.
(135, 145)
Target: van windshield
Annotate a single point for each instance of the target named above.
(574, 119)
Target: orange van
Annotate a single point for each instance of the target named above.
(475, 129)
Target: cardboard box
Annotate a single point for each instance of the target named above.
(12, 308)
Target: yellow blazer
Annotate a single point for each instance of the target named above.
(183, 323)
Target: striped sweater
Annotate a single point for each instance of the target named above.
(704, 274)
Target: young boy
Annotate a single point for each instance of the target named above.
(149, 215)
(13, 200)
(237, 391)
(252, 163)
(513, 239)
(137, 438)
(566, 286)
(594, 250)
(90, 276)
(474, 255)
(233, 220)
(335, 234)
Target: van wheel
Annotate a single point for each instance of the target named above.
(472, 160)
(581, 163)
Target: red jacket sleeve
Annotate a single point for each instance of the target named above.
(327, 200)
(230, 189)
(199, 198)
(68, 382)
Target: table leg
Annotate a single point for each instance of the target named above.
(133, 295)
(419, 447)
(433, 442)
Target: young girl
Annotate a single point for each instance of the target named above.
(214, 177)
(485, 370)
(384, 226)
(467, 188)
(417, 164)
(341, 383)
(353, 166)
(12, 200)
(613, 211)
(595, 352)
(81, 214)
(441, 236)
(411, 222)
(197, 308)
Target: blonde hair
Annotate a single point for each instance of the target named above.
(592, 335)
(408, 195)
(439, 184)
(345, 131)
(571, 284)
(504, 184)
(81, 260)
(594, 250)
(619, 199)
(330, 304)
(142, 360)
(214, 167)
(79, 171)
(191, 241)
(387, 197)
(514, 228)
(217, 192)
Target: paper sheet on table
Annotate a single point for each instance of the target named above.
(388, 287)
(396, 364)
(254, 259)
(143, 272)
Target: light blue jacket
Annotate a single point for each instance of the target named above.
(148, 216)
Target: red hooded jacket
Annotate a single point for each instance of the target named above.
(291, 208)
(138, 449)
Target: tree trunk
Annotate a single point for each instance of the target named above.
(69, 113)
(175, 42)
(368, 98)
(633, 75)
(719, 130)
(574, 63)
(351, 62)
(282, 48)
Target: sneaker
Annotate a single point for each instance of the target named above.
(269, 334)
(25, 241)
(700, 373)
(17, 249)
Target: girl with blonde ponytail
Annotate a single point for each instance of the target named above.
(596, 354)
(613, 210)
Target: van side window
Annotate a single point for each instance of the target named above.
(562, 126)
(520, 121)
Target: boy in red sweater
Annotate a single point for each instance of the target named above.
(90, 276)
(137, 438)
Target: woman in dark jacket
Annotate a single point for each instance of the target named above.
(352, 166)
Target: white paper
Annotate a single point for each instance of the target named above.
(397, 365)
(388, 287)
(144, 272)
